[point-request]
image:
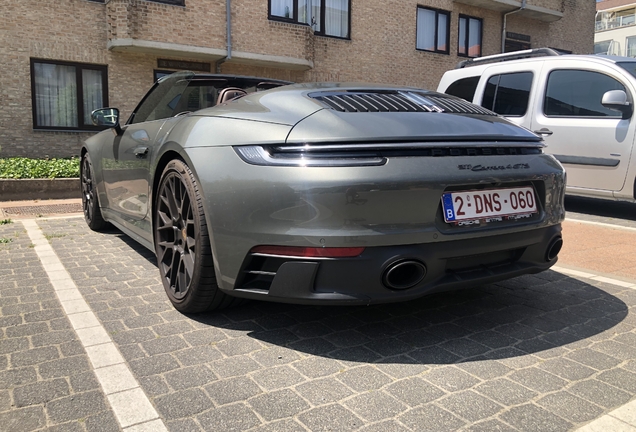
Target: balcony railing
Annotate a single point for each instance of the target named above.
(622, 21)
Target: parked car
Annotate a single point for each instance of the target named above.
(322, 193)
(581, 104)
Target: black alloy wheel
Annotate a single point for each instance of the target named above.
(182, 243)
(90, 203)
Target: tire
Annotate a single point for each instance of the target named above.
(90, 199)
(182, 244)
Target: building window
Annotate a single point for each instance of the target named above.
(613, 48)
(508, 94)
(326, 17)
(630, 48)
(64, 94)
(514, 45)
(160, 73)
(469, 41)
(578, 93)
(433, 30)
(171, 2)
(602, 47)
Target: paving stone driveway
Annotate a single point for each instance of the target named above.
(46, 381)
(543, 352)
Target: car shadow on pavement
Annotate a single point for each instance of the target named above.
(600, 207)
(525, 315)
(141, 250)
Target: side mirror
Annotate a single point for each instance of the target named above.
(108, 117)
(617, 100)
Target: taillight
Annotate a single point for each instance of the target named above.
(302, 157)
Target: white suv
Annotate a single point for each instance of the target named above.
(582, 105)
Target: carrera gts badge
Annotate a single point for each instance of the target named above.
(493, 167)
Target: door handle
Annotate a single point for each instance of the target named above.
(544, 131)
(140, 152)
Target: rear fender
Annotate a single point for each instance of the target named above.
(93, 146)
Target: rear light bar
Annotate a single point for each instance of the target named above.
(376, 154)
(257, 155)
(309, 252)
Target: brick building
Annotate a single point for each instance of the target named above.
(63, 58)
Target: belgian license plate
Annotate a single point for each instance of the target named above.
(488, 204)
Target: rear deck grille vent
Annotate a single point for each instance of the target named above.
(396, 101)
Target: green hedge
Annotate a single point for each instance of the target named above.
(24, 168)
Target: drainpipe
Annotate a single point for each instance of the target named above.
(505, 16)
(228, 32)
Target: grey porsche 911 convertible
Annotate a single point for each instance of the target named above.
(248, 188)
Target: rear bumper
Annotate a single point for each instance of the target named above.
(449, 265)
(394, 211)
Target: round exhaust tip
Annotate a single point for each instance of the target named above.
(554, 248)
(404, 274)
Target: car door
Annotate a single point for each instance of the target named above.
(126, 161)
(509, 90)
(591, 141)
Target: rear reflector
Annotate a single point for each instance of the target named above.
(328, 252)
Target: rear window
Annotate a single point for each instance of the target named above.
(464, 88)
(508, 94)
(629, 67)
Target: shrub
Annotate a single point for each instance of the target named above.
(22, 168)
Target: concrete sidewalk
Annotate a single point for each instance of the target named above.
(602, 248)
(39, 208)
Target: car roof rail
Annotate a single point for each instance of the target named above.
(515, 55)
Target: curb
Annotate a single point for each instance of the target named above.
(32, 189)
